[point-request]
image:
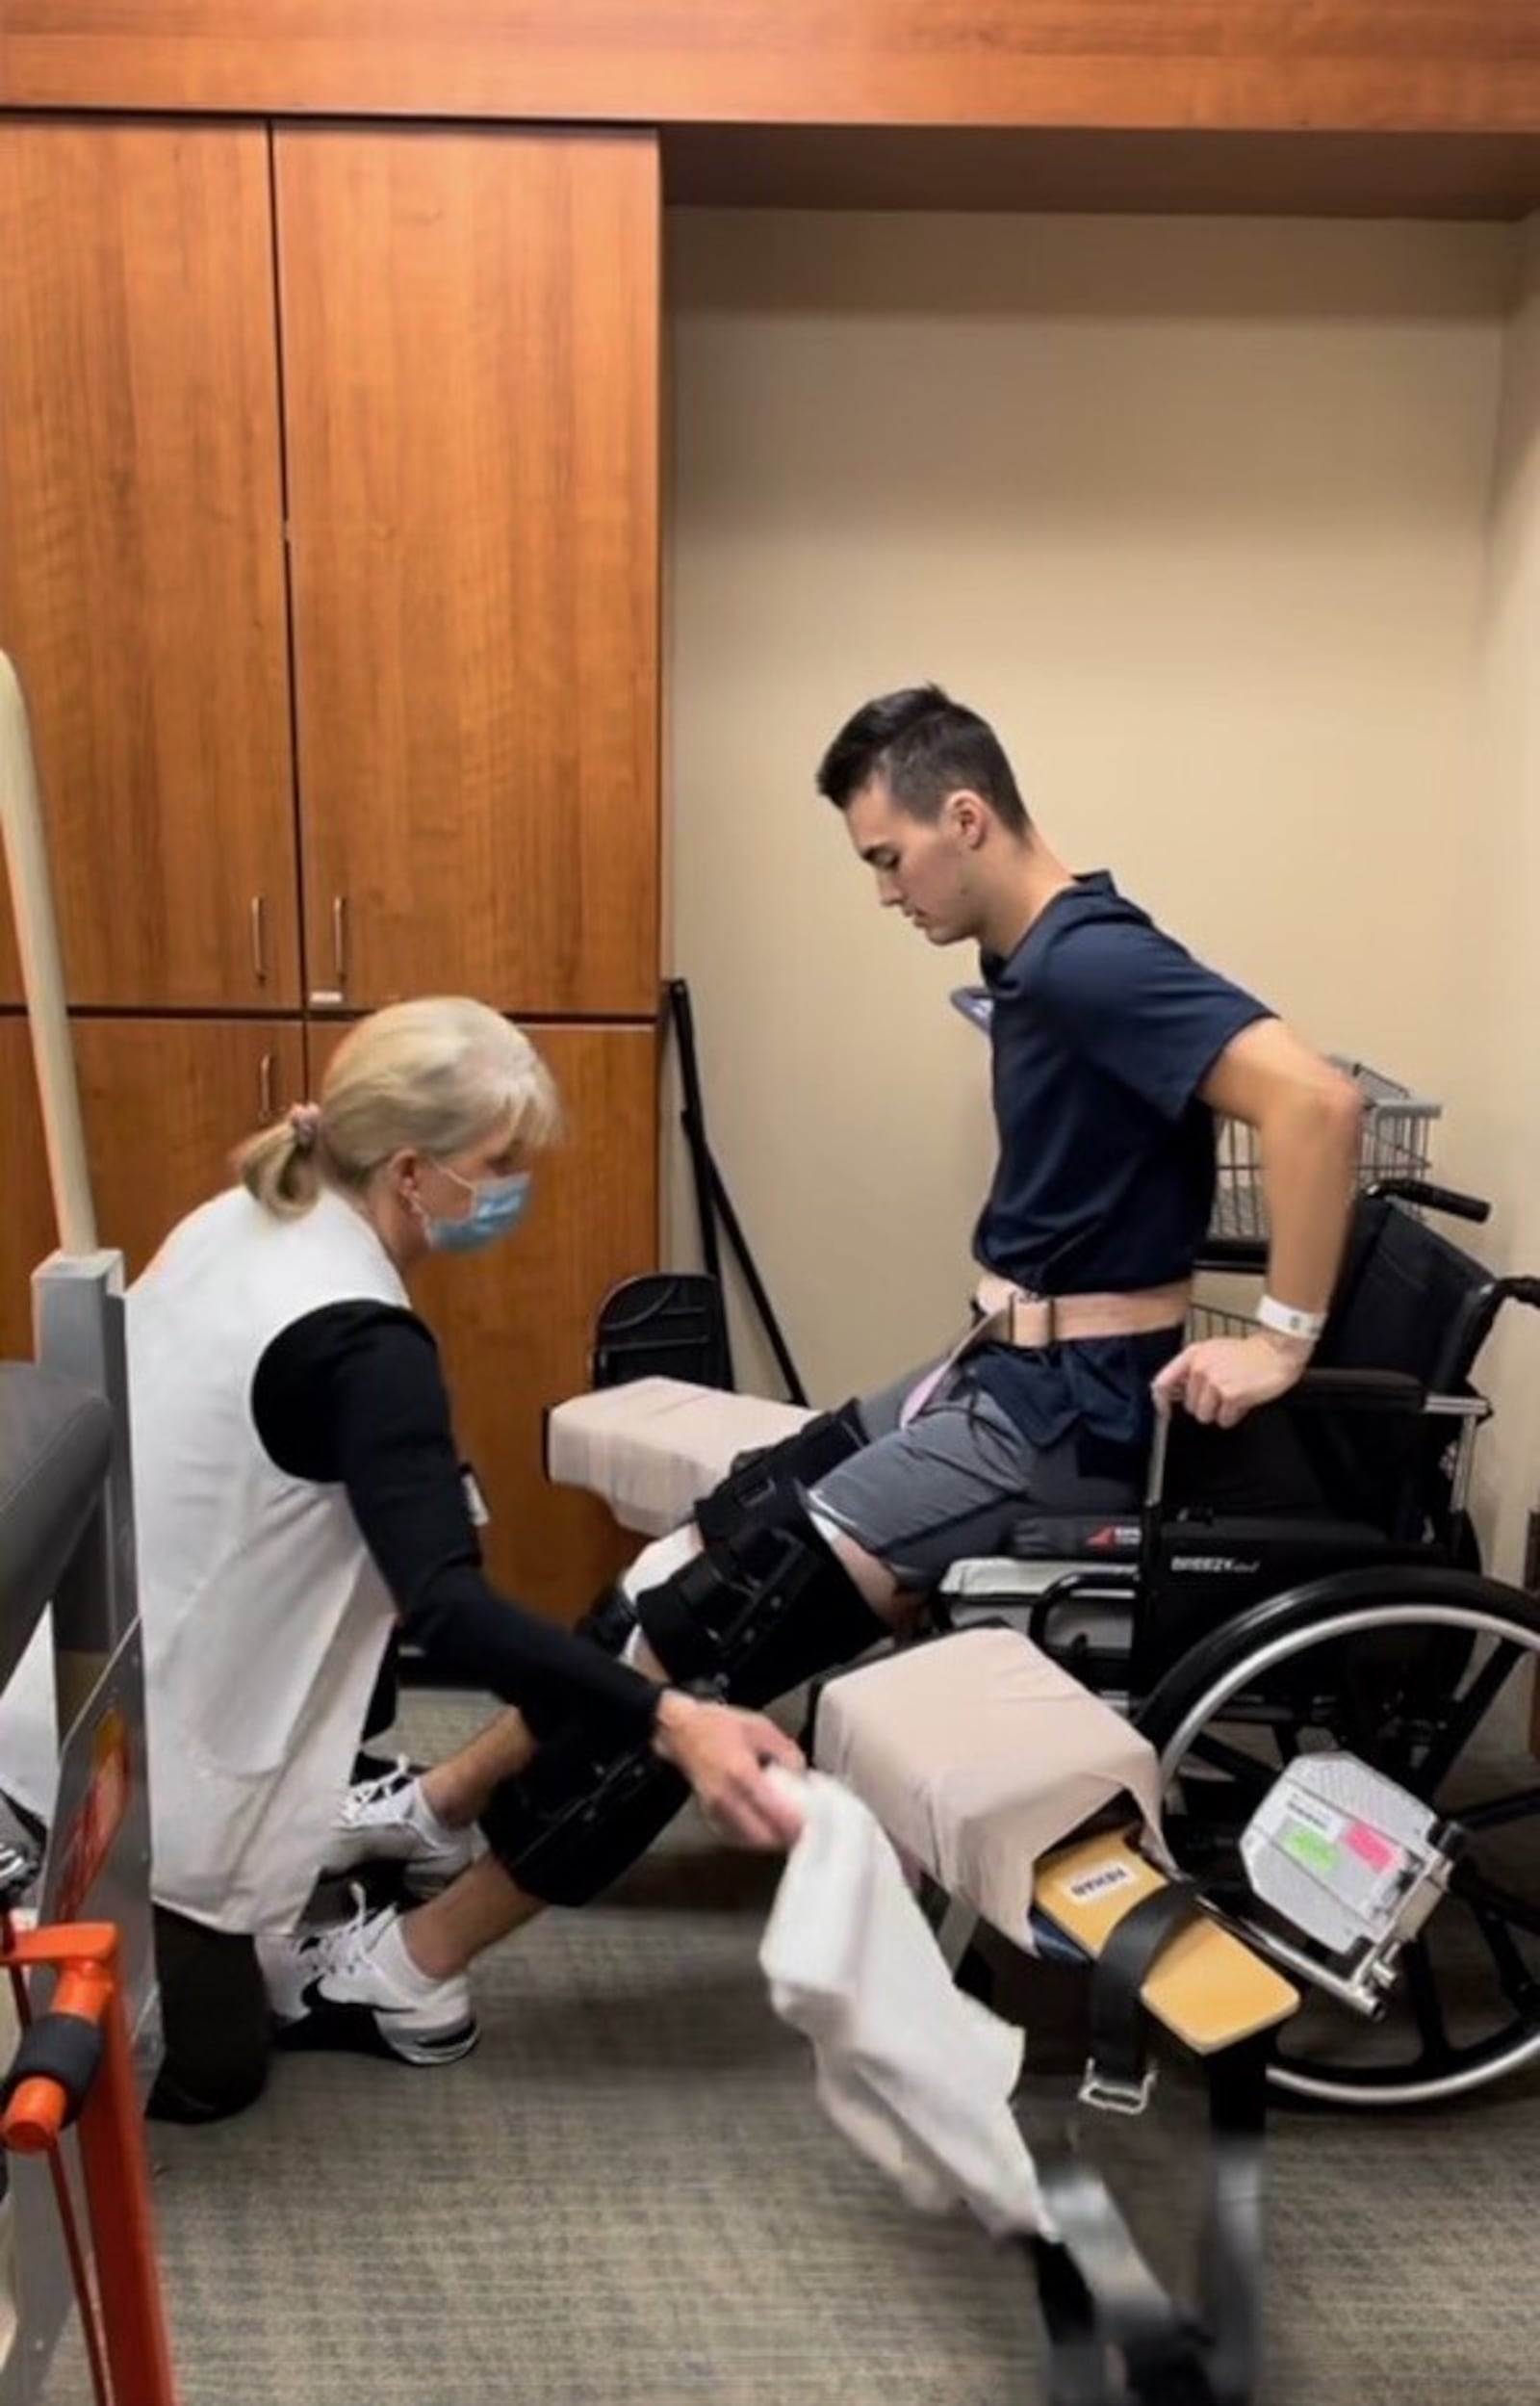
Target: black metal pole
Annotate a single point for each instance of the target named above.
(796, 1392)
(692, 1120)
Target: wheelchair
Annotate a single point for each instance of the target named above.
(1311, 1583)
(1307, 1585)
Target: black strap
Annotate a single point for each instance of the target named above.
(1230, 2250)
(1101, 2300)
(1117, 2071)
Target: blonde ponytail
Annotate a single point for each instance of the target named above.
(279, 1167)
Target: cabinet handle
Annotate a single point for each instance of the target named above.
(265, 1091)
(259, 937)
(338, 939)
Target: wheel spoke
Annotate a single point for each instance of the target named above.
(1498, 1811)
(1483, 1894)
(1518, 1982)
(1470, 1710)
(1436, 2053)
(1237, 1765)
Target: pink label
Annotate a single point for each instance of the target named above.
(1370, 1848)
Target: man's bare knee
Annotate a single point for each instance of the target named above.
(869, 1574)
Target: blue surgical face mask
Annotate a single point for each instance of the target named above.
(498, 1205)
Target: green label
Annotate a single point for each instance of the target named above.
(1309, 1848)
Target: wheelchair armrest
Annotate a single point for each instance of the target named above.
(1356, 1390)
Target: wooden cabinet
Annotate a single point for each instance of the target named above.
(514, 1322)
(471, 368)
(329, 566)
(165, 1102)
(142, 576)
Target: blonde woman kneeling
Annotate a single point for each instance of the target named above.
(299, 1493)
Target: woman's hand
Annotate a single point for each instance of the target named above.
(723, 1754)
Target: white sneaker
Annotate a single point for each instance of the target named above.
(388, 1819)
(355, 1986)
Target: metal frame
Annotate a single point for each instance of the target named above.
(95, 1879)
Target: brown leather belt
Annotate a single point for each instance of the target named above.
(1009, 1315)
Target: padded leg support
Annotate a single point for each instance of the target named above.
(751, 1619)
(756, 1614)
(764, 1483)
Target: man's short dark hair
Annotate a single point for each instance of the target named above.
(923, 746)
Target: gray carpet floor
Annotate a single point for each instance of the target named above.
(629, 2196)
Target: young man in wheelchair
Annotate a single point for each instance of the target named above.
(1112, 1049)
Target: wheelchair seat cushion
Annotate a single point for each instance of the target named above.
(978, 1754)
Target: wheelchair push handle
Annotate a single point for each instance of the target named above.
(1447, 1200)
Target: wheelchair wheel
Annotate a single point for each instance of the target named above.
(1421, 1675)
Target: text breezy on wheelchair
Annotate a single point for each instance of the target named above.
(1240, 1757)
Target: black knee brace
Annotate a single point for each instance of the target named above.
(762, 1482)
(609, 1620)
(758, 1612)
(578, 1817)
(749, 1619)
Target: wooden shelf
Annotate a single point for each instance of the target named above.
(1421, 67)
(1256, 174)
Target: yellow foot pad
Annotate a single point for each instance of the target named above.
(1208, 1988)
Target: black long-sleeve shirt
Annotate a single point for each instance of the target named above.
(353, 1395)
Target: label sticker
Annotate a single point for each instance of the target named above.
(1100, 1880)
(1308, 1847)
(1370, 1848)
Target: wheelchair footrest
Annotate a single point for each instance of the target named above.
(1207, 1988)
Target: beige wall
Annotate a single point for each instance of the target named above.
(1497, 1070)
(1196, 513)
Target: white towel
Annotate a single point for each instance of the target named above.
(915, 2073)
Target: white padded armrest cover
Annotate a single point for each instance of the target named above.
(652, 1447)
(979, 1755)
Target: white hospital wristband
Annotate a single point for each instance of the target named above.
(1284, 1321)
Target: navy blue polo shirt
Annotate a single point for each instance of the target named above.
(1102, 1031)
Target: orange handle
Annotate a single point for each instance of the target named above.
(35, 2118)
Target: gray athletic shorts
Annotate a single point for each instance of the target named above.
(960, 1480)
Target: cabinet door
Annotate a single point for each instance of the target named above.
(165, 1102)
(142, 576)
(471, 365)
(515, 1323)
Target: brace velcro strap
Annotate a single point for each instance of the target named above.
(764, 1479)
(1115, 2075)
(689, 1618)
(574, 1820)
(609, 1620)
(62, 2047)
